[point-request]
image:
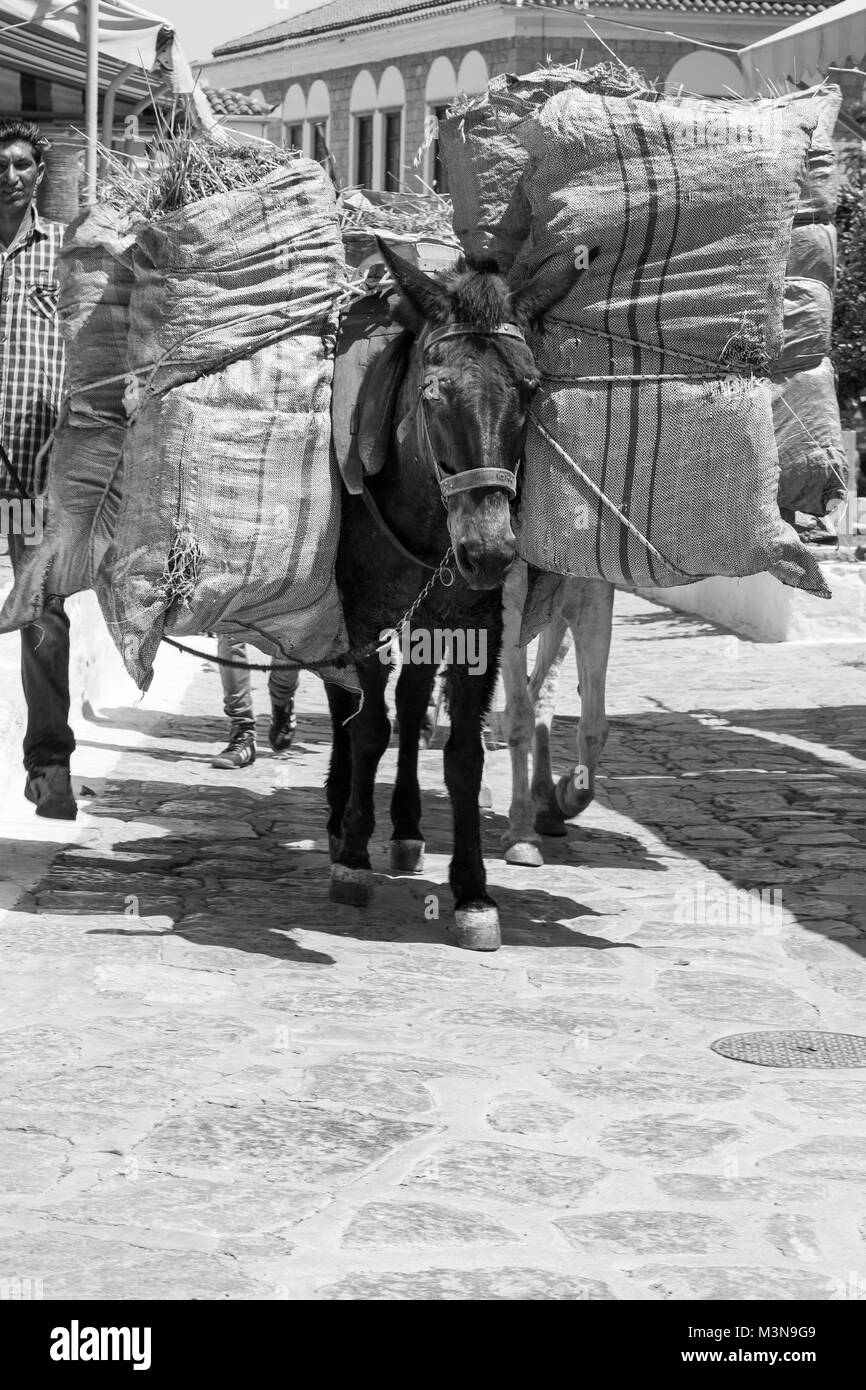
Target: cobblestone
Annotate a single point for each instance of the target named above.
(218, 1085)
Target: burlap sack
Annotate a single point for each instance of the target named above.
(96, 278)
(812, 467)
(813, 253)
(656, 365)
(808, 324)
(809, 439)
(485, 159)
(230, 510)
(820, 192)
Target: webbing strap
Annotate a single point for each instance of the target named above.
(450, 483)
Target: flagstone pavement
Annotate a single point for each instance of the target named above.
(217, 1085)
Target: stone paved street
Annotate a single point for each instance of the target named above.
(217, 1085)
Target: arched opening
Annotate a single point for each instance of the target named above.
(317, 125)
(294, 114)
(705, 74)
(388, 138)
(440, 91)
(362, 113)
(472, 77)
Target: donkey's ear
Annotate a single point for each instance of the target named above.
(549, 285)
(423, 299)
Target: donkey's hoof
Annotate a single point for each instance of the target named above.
(351, 886)
(570, 797)
(407, 856)
(524, 853)
(475, 928)
(485, 797)
(548, 823)
(335, 844)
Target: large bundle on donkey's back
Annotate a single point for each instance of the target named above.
(657, 366)
(229, 516)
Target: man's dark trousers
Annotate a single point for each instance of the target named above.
(49, 741)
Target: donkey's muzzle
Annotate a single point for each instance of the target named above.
(484, 566)
(482, 536)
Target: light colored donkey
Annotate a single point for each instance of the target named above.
(582, 613)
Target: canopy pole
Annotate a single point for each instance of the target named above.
(91, 112)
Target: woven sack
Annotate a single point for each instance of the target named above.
(806, 421)
(807, 321)
(812, 461)
(229, 517)
(484, 158)
(813, 253)
(656, 364)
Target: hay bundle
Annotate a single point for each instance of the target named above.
(417, 226)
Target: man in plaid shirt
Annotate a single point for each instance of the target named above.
(31, 379)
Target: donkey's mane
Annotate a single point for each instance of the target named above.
(478, 293)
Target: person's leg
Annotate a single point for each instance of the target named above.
(238, 706)
(48, 740)
(237, 688)
(282, 685)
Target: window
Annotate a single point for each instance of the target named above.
(364, 151)
(439, 178)
(295, 135)
(393, 133)
(35, 93)
(320, 141)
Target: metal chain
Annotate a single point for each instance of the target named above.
(354, 654)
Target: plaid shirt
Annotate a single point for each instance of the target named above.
(31, 351)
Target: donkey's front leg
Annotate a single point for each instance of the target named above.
(412, 696)
(369, 730)
(520, 841)
(476, 919)
(342, 705)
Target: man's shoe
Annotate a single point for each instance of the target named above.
(283, 726)
(241, 750)
(50, 790)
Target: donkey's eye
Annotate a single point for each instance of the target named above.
(531, 384)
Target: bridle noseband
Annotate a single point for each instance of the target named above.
(452, 483)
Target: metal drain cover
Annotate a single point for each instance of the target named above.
(824, 1050)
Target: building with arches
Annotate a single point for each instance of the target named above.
(366, 80)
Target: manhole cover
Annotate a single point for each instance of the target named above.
(824, 1050)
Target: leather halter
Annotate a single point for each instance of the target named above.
(452, 483)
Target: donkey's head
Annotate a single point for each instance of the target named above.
(471, 387)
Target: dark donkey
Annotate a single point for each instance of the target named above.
(448, 477)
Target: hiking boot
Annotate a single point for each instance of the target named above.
(241, 750)
(283, 726)
(50, 790)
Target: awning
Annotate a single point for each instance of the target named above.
(806, 52)
(49, 39)
(52, 39)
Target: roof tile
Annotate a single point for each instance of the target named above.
(347, 14)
